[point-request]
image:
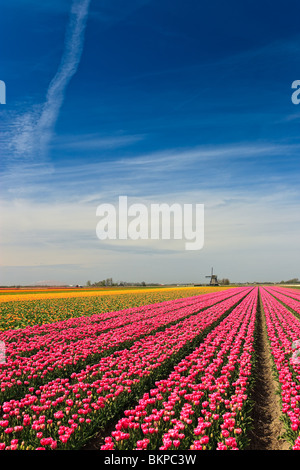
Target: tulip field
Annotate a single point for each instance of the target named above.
(19, 310)
(164, 371)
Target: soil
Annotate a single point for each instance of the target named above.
(267, 426)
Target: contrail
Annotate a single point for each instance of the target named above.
(36, 128)
(68, 66)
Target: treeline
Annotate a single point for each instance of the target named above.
(110, 283)
(224, 282)
(295, 280)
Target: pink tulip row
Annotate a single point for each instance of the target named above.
(294, 293)
(283, 329)
(64, 412)
(48, 330)
(290, 300)
(38, 336)
(203, 404)
(58, 354)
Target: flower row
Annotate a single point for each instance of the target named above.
(283, 330)
(289, 299)
(60, 353)
(32, 309)
(64, 412)
(203, 404)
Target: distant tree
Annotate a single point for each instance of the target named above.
(295, 280)
(224, 282)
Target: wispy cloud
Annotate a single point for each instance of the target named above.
(94, 141)
(32, 131)
(144, 174)
(236, 226)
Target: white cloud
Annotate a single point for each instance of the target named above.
(238, 228)
(32, 132)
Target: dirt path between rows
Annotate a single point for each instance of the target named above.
(266, 412)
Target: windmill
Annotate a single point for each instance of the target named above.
(213, 278)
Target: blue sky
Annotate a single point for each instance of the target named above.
(162, 101)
